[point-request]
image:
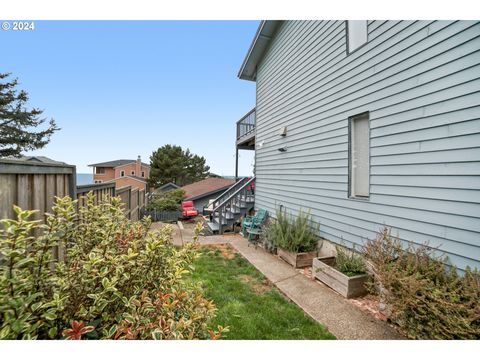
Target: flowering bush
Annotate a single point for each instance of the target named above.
(115, 280)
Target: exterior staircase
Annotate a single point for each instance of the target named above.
(226, 210)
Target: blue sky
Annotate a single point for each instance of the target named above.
(119, 89)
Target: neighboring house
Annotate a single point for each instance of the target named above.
(370, 123)
(133, 173)
(166, 187)
(201, 192)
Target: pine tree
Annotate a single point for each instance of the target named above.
(171, 163)
(17, 124)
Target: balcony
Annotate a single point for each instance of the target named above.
(246, 131)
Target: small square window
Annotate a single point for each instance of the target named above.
(143, 174)
(132, 173)
(356, 34)
(122, 173)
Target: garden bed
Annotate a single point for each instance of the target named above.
(347, 286)
(297, 260)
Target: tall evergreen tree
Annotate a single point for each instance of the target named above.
(17, 124)
(171, 163)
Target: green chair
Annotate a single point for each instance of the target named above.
(256, 220)
(255, 231)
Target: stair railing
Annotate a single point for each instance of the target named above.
(235, 199)
(225, 195)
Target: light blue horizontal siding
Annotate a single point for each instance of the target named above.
(420, 81)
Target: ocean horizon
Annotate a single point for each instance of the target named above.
(84, 179)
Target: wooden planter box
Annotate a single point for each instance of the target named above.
(297, 260)
(348, 287)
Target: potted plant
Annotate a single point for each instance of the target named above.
(295, 238)
(346, 273)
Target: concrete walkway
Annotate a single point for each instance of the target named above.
(342, 319)
(183, 233)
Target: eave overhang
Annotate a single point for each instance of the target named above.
(264, 35)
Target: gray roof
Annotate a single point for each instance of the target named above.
(36, 159)
(116, 163)
(167, 185)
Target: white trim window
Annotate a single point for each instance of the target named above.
(143, 174)
(359, 156)
(122, 173)
(357, 34)
(132, 173)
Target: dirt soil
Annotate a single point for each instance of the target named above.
(227, 251)
(259, 288)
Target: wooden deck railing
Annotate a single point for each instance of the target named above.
(246, 125)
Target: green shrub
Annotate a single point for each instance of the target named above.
(424, 298)
(268, 236)
(167, 201)
(349, 262)
(118, 280)
(295, 234)
(176, 194)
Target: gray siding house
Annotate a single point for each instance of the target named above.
(370, 123)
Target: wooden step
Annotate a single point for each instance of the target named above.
(216, 221)
(213, 226)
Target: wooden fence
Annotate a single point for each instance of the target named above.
(165, 216)
(98, 190)
(134, 200)
(34, 185)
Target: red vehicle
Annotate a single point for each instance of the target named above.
(188, 210)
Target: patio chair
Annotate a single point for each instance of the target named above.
(255, 231)
(256, 220)
(188, 209)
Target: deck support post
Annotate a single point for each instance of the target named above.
(236, 164)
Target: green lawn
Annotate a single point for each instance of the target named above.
(247, 303)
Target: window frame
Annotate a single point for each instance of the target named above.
(122, 173)
(97, 172)
(351, 194)
(348, 41)
(132, 173)
(143, 174)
